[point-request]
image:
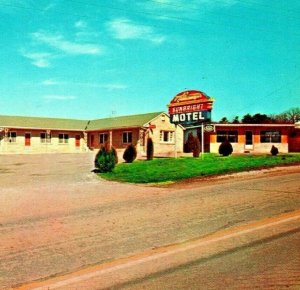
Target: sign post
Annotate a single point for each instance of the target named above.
(175, 142)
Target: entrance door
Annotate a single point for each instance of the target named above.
(27, 139)
(249, 140)
(92, 141)
(77, 140)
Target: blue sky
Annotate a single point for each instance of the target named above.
(92, 59)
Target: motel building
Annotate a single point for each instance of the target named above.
(250, 138)
(22, 135)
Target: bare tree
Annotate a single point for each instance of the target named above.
(290, 116)
(293, 115)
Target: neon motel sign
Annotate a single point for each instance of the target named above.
(190, 107)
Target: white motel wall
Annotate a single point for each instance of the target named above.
(24, 141)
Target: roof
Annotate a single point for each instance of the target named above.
(42, 123)
(22, 122)
(122, 121)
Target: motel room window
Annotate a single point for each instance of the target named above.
(231, 136)
(270, 137)
(45, 138)
(166, 136)
(103, 138)
(127, 137)
(63, 138)
(12, 137)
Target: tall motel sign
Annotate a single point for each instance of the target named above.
(191, 109)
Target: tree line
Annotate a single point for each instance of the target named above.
(290, 116)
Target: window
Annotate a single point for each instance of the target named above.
(166, 136)
(221, 136)
(231, 136)
(12, 137)
(63, 138)
(127, 137)
(270, 137)
(45, 138)
(103, 137)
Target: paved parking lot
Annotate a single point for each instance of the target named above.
(53, 210)
(57, 217)
(47, 183)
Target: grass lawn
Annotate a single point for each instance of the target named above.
(170, 169)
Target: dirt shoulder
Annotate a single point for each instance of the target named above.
(229, 177)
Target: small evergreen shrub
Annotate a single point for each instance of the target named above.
(190, 143)
(197, 149)
(274, 150)
(105, 160)
(114, 151)
(100, 152)
(130, 153)
(150, 149)
(225, 148)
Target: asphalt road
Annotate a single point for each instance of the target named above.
(57, 217)
(268, 264)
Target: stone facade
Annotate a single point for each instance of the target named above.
(159, 129)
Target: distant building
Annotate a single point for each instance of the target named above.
(52, 135)
(255, 138)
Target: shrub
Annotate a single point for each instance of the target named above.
(114, 151)
(99, 153)
(274, 150)
(225, 148)
(197, 148)
(105, 160)
(150, 149)
(190, 143)
(129, 153)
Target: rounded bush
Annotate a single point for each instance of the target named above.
(105, 161)
(225, 148)
(274, 150)
(130, 153)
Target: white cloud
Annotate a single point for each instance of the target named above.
(80, 24)
(124, 29)
(58, 42)
(109, 86)
(59, 97)
(112, 87)
(49, 6)
(50, 83)
(180, 9)
(39, 59)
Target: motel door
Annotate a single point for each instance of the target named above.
(27, 139)
(249, 140)
(92, 141)
(77, 140)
